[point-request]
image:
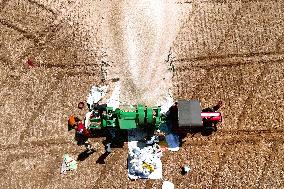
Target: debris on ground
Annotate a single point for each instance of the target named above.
(145, 162)
(167, 103)
(96, 147)
(30, 63)
(68, 164)
(81, 105)
(168, 185)
(107, 148)
(96, 94)
(153, 139)
(114, 101)
(185, 169)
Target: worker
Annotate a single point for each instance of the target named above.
(81, 133)
(72, 121)
(110, 136)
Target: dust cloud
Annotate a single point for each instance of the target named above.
(138, 47)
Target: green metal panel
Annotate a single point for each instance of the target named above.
(127, 118)
(149, 115)
(127, 124)
(141, 114)
(128, 115)
(93, 119)
(158, 117)
(110, 123)
(109, 117)
(117, 111)
(95, 123)
(104, 123)
(95, 126)
(109, 109)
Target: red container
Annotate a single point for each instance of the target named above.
(212, 116)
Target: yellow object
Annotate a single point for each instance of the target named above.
(148, 166)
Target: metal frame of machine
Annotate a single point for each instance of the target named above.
(189, 116)
(127, 117)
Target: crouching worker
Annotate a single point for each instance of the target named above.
(81, 133)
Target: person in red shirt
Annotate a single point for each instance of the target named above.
(81, 133)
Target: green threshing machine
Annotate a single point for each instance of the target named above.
(185, 114)
(126, 117)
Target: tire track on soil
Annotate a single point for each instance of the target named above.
(267, 165)
(238, 137)
(244, 6)
(242, 134)
(38, 111)
(179, 79)
(41, 6)
(225, 57)
(222, 162)
(251, 95)
(45, 36)
(38, 143)
(13, 26)
(27, 154)
(195, 10)
(255, 132)
(39, 108)
(235, 64)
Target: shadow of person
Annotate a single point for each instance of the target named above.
(84, 155)
(116, 138)
(101, 159)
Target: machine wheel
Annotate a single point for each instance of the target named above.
(207, 131)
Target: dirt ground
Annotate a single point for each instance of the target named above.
(230, 50)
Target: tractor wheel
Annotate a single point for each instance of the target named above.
(207, 131)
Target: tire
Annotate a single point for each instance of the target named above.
(207, 131)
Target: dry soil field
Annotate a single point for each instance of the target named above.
(220, 49)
